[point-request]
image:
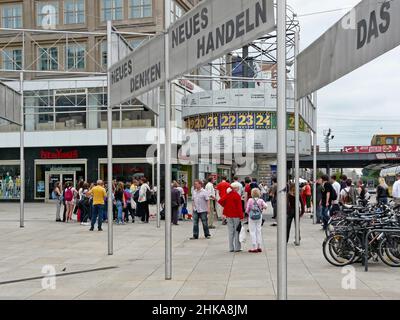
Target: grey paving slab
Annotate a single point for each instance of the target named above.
(202, 270)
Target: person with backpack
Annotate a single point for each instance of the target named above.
(254, 209)
(232, 204)
(348, 195)
(327, 194)
(291, 208)
(335, 196)
(69, 201)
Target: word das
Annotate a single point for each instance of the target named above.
(369, 29)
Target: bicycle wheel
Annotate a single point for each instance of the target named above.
(339, 250)
(334, 226)
(389, 250)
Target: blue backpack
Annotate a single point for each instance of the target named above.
(255, 212)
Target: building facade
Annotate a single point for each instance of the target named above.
(65, 93)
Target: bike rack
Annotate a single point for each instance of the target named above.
(366, 243)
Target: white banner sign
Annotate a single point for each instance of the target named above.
(215, 28)
(210, 30)
(368, 31)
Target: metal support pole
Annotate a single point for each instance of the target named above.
(109, 144)
(281, 147)
(168, 170)
(22, 156)
(296, 144)
(315, 167)
(158, 168)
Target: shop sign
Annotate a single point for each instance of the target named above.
(372, 149)
(59, 154)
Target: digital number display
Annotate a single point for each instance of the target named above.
(240, 120)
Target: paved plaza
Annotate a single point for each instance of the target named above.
(202, 269)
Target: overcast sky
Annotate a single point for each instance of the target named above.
(362, 103)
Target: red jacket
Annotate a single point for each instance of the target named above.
(232, 203)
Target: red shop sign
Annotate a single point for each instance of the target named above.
(372, 149)
(59, 154)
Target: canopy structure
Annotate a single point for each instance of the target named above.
(10, 105)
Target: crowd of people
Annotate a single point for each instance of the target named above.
(234, 203)
(89, 202)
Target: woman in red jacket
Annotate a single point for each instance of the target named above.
(233, 211)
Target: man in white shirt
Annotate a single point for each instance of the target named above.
(396, 190)
(336, 187)
(211, 192)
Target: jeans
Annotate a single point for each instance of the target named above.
(325, 216)
(104, 211)
(119, 209)
(233, 234)
(383, 200)
(203, 217)
(97, 212)
(319, 213)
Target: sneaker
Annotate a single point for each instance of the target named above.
(91, 229)
(239, 250)
(208, 237)
(274, 224)
(194, 238)
(100, 229)
(253, 251)
(231, 250)
(259, 250)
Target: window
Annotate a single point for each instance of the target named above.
(11, 16)
(104, 60)
(48, 58)
(398, 141)
(176, 11)
(74, 11)
(389, 141)
(47, 14)
(12, 59)
(112, 10)
(140, 8)
(137, 42)
(76, 57)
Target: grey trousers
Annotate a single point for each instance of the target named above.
(59, 203)
(233, 234)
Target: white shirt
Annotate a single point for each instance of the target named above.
(210, 189)
(336, 186)
(396, 189)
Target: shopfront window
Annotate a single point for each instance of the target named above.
(10, 181)
(48, 174)
(127, 171)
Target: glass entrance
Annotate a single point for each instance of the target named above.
(53, 177)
